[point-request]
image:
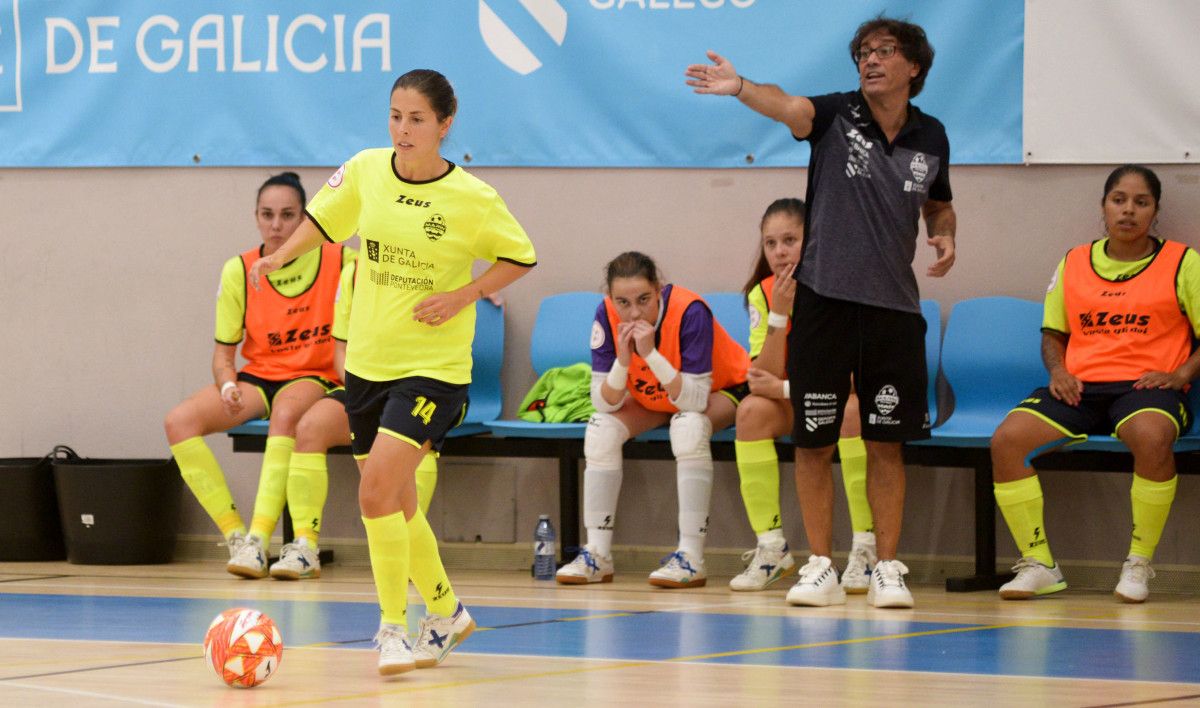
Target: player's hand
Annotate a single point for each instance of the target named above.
(783, 292)
(1065, 387)
(624, 343)
(231, 399)
(643, 337)
(264, 265)
(1161, 379)
(945, 256)
(765, 384)
(496, 299)
(717, 78)
(437, 309)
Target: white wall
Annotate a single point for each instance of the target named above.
(108, 279)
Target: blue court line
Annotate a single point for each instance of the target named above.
(795, 639)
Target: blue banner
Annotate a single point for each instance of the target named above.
(576, 83)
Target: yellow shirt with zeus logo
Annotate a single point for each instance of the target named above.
(417, 239)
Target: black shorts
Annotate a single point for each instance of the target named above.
(270, 389)
(1103, 407)
(883, 349)
(736, 393)
(338, 394)
(415, 409)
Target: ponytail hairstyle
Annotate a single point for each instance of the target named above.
(762, 269)
(434, 87)
(284, 179)
(632, 264)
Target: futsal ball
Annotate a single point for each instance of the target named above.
(243, 646)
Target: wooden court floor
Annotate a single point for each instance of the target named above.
(74, 635)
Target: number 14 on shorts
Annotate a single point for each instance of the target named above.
(424, 409)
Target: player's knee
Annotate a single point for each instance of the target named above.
(311, 432)
(179, 425)
(691, 435)
(1146, 436)
(603, 439)
(755, 416)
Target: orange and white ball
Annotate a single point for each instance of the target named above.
(243, 646)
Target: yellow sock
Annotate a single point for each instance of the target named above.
(426, 568)
(387, 541)
(1151, 504)
(272, 486)
(203, 475)
(758, 468)
(1021, 504)
(853, 454)
(426, 481)
(307, 488)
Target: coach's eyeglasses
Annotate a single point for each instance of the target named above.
(883, 51)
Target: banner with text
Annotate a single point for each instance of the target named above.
(574, 83)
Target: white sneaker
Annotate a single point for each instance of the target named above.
(679, 570)
(887, 585)
(1033, 578)
(1134, 585)
(768, 563)
(856, 578)
(588, 567)
(249, 559)
(234, 543)
(395, 654)
(297, 561)
(818, 585)
(441, 634)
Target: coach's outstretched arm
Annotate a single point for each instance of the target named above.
(720, 78)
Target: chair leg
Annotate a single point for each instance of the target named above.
(985, 577)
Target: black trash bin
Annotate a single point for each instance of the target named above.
(118, 512)
(29, 525)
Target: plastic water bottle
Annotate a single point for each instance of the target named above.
(545, 551)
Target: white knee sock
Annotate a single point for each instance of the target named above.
(601, 487)
(694, 480)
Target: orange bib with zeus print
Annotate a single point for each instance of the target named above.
(1123, 329)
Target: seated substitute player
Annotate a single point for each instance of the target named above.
(1120, 317)
(658, 356)
(767, 414)
(284, 330)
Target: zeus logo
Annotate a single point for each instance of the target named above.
(504, 42)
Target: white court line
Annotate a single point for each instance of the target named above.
(90, 694)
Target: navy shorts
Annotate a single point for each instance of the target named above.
(1103, 407)
(270, 389)
(884, 350)
(414, 409)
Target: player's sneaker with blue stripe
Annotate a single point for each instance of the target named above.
(395, 653)
(249, 558)
(439, 635)
(1032, 579)
(768, 563)
(588, 567)
(679, 570)
(297, 561)
(856, 578)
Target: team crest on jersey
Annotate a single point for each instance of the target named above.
(372, 250)
(755, 317)
(435, 227)
(597, 334)
(919, 167)
(335, 179)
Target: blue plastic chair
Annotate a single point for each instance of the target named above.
(730, 310)
(487, 353)
(561, 336)
(932, 312)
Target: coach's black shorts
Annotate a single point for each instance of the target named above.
(414, 409)
(883, 349)
(1103, 407)
(270, 389)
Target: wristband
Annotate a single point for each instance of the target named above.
(787, 389)
(777, 320)
(741, 85)
(662, 369)
(617, 376)
(226, 386)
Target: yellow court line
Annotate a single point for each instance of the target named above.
(634, 664)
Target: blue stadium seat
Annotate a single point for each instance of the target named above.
(730, 310)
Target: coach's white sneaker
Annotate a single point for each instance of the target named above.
(1032, 579)
(887, 585)
(395, 654)
(1134, 585)
(679, 570)
(856, 578)
(818, 585)
(249, 559)
(441, 634)
(588, 567)
(768, 563)
(297, 561)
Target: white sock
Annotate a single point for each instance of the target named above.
(864, 538)
(601, 488)
(774, 537)
(694, 481)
